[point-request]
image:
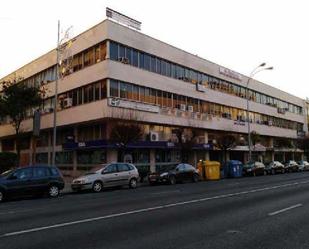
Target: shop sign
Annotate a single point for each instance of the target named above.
(133, 105)
(81, 144)
(229, 73)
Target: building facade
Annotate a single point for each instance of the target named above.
(113, 74)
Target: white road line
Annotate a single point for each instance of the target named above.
(37, 229)
(285, 209)
(166, 192)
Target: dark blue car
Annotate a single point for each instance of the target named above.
(29, 181)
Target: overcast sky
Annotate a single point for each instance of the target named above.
(238, 34)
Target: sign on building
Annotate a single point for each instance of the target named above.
(121, 18)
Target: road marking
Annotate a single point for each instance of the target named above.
(166, 192)
(143, 210)
(285, 209)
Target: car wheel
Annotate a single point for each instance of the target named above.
(195, 178)
(282, 171)
(273, 172)
(133, 183)
(97, 186)
(53, 191)
(172, 180)
(1, 196)
(254, 174)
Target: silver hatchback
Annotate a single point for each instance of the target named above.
(110, 175)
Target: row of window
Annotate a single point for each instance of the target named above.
(71, 64)
(66, 157)
(128, 55)
(163, 99)
(78, 96)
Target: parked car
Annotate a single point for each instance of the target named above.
(303, 165)
(274, 167)
(109, 175)
(179, 173)
(31, 180)
(254, 168)
(291, 166)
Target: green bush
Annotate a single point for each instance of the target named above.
(8, 160)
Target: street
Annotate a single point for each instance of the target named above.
(250, 212)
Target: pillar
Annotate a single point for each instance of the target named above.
(206, 142)
(49, 158)
(112, 155)
(75, 133)
(152, 160)
(0, 146)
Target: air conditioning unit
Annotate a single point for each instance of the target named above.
(154, 136)
(124, 60)
(190, 108)
(270, 123)
(183, 107)
(67, 102)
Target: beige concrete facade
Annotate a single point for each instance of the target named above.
(107, 69)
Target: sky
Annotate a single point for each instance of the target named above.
(237, 34)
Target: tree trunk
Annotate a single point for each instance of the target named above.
(18, 147)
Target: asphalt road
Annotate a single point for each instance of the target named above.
(253, 212)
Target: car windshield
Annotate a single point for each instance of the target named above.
(6, 173)
(95, 169)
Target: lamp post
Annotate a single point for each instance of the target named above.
(62, 44)
(256, 70)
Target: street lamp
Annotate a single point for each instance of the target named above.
(62, 44)
(256, 70)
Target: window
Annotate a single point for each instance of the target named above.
(158, 66)
(168, 69)
(123, 167)
(41, 158)
(89, 58)
(121, 51)
(125, 90)
(141, 59)
(129, 55)
(114, 87)
(23, 174)
(88, 93)
(142, 93)
(147, 62)
(153, 64)
(97, 91)
(110, 169)
(113, 51)
(135, 58)
(75, 97)
(103, 89)
(135, 93)
(77, 62)
(39, 172)
(163, 67)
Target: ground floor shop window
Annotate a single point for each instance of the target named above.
(64, 157)
(163, 156)
(134, 156)
(41, 157)
(91, 157)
